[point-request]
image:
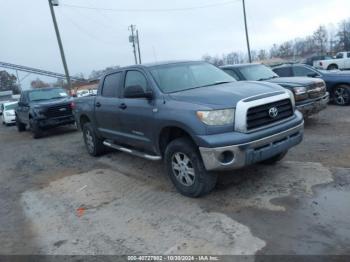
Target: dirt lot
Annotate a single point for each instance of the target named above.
(55, 199)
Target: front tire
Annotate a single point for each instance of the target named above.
(94, 145)
(186, 170)
(341, 95)
(35, 129)
(20, 126)
(273, 160)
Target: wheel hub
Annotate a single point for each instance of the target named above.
(183, 169)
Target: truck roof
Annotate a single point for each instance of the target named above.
(149, 65)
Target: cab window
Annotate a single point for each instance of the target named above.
(232, 73)
(135, 78)
(111, 85)
(302, 71)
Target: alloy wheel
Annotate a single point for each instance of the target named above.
(341, 96)
(183, 169)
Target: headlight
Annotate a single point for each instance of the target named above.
(300, 93)
(299, 90)
(217, 117)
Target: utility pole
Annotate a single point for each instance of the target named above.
(246, 31)
(138, 45)
(132, 40)
(53, 3)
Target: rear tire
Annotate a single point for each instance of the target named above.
(94, 145)
(341, 95)
(273, 160)
(20, 126)
(186, 170)
(332, 67)
(35, 129)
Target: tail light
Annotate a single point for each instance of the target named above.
(72, 105)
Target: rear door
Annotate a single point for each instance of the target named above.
(137, 116)
(107, 113)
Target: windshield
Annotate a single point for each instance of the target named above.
(47, 94)
(11, 106)
(183, 76)
(257, 72)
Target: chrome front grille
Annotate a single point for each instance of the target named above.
(260, 116)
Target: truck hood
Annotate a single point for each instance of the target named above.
(342, 74)
(225, 95)
(293, 81)
(52, 102)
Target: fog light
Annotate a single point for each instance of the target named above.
(226, 157)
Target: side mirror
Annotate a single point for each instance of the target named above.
(137, 92)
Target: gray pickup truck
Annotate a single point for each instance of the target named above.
(194, 116)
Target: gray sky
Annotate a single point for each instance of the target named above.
(95, 39)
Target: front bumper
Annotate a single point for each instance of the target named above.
(315, 106)
(9, 119)
(240, 155)
(57, 121)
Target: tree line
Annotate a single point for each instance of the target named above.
(323, 41)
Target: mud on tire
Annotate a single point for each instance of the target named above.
(94, 145)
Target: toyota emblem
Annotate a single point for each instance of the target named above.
(273, 112)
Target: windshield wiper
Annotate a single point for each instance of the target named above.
(268, 78)
(218, 83)
(56, 97)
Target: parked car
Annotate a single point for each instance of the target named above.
(337, 83)
(310, 94)
(341, 61)
(43, 108)
(311, 61)
(1, 105)
(194, 116)
(8, 113)
(91, 92)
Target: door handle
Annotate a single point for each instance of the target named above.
(122, 106)
(98, 104)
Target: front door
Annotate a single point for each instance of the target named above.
(137, 116)
(107, 107)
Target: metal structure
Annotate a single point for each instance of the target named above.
(53, 3)
(132, 40)
(246, 31)
(38, 71)
(138, 45)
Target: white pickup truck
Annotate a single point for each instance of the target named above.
(341, 61)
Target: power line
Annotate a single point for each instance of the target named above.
(152, 10)
(84, 31)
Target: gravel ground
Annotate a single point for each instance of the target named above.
(55, 199)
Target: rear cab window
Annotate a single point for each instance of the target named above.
(111, 85)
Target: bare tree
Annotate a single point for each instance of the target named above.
(320, 40)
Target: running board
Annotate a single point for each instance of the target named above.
(132, 151)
